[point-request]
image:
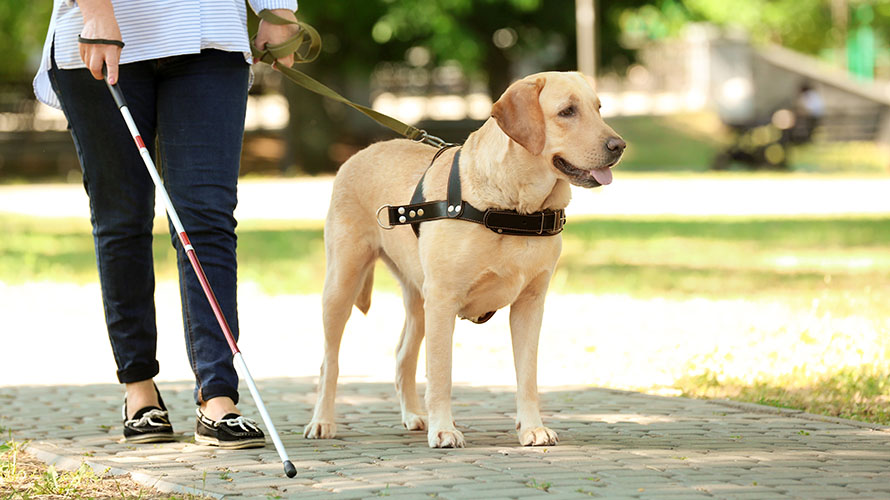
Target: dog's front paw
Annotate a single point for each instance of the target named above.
(537, 436)
(414, 422)
(449, 438)
(320, 430)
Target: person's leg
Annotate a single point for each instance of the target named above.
(121, 198)
(201, 105)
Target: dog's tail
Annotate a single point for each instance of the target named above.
(363, 301)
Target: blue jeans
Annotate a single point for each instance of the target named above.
(191, 108)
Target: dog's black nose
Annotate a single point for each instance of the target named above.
(616, 144)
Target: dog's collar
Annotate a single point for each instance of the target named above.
(510, 222)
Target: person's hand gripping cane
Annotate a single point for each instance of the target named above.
(100, 40)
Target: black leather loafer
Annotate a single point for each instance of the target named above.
(149, 425)
(233, 431)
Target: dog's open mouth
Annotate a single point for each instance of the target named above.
(584, 178)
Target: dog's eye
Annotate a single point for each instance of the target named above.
(567, 112)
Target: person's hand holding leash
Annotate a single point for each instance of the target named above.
(100, 40)
(270, 33)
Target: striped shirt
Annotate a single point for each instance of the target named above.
(152, 29)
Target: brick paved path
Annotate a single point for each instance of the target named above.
(613, 444)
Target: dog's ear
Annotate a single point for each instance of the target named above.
(518, 113)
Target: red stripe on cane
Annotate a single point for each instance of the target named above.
(214, 304)
(139, 142)
(186, 244)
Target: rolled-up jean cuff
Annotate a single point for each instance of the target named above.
(209, 392)
(138, 372)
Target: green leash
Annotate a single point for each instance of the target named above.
(306, 46)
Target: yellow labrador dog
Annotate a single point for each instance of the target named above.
(544, 133)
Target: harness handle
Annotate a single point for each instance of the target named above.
(306, 46)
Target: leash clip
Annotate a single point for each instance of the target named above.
(377, 217)
(432, 140)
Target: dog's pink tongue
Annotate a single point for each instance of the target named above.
(602, 175)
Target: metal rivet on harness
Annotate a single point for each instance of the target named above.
(457, 208)
(420, 212)
(450, 208)
(412, 213)
(401, 210)
(402, 219)
(500, 230)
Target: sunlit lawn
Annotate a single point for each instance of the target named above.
(830, 268)
(716, 258)
(687, 143)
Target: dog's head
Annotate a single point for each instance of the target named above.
(557, 116)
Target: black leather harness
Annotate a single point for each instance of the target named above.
(544, 223)
(510, 222)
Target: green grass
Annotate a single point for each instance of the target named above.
(860, 157)
(689, 142)
(717, 258)
(543, 486)
(283, 260)
(24, 477)
(657, 144)
(724, 258)
(860, 394)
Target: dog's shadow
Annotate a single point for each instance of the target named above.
(368, 416)
(589, 418)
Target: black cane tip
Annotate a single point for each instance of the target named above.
(289, 469)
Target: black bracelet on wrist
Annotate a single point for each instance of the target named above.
(100, 41)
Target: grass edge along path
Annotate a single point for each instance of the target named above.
(861, 393)
(23, 475)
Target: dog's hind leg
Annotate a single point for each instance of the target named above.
(348, 269)
(413, 416)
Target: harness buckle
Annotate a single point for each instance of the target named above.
(559, 224)
(377, 217)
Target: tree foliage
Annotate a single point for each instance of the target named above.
(492, 41)
(23, 25)
(803, 25)
(360, 33)
(365, 33)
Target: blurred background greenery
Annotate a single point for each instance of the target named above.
(411, 48)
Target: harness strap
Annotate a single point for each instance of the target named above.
(417, 197)
(545, 223)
